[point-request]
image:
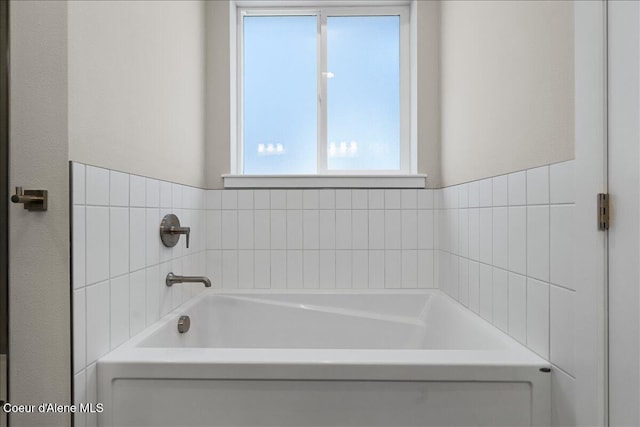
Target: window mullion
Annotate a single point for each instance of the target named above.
(322, 93)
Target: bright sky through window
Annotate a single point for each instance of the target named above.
(363, 111)
(280, 94)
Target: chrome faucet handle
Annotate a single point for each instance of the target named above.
(170, 231)
(181, 230)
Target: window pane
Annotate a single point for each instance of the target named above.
(280, 94)
(363, 91)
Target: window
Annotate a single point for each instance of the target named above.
(323, 91)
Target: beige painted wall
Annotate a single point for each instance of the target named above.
(136, 87)
(217, 130)
(428, 89)
(39, 292)
(507, 87)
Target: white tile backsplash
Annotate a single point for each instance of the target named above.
(538, 242)
(392, 229)
(153, 193)
(360, 269)
(137, 191)
(376, 269)
(392, 269)
(310, 270)
(262, 269)
(538, 186)
(485, 193)
(78, 183)
(97, 244)
(561, 328)
(230, 199)
(538, 317)
(245, 199)
(278, 269)
(278, 229)
(517, 188)
(522, 236)
(343, 229)
(117, 279)
(295, 270)
(119, 310)
(311, 229)
(360, 229)
(261, 199)
(518, 307)
(261, 227)
(500, 190)
(230, 229)
(294, 229)
(425, 199)
(97, 186)
(294, 199)
(246, 221)
(500, 238)
(495, 245)
(137, 302)
(246, 269)
(561, 183)
(409, 268)
(166, 200)
(409, 224)
(119, 241)
(119, 189)
(79, 247)
(376, 199)
(486, 292)
(474, 286)
(561, 242)
(230, 269)
(327, 269)
(517, 231)
(327, 199)
(359, 199)
(137, 239)
(310, 199)
(97, 319)
(343, 199)
(500, 299)
(486, 235)
(392, 199)
(343, 269)
(79, 330)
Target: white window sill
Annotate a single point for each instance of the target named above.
(325, 181)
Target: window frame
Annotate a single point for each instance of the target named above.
(323, 10)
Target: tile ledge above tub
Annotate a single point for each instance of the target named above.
(325, 181)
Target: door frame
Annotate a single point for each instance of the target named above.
(4, 202)
(590, 255)
(623, 59)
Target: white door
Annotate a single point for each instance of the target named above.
(624, 234)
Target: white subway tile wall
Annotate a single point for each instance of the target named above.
(310, 239)
(501, 246)
(513, 264)
(119, 264)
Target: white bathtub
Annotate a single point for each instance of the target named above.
(403, 358)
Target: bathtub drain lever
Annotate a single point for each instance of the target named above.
(184, 323)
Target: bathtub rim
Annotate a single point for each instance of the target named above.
(514, 364)
(514, 355)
